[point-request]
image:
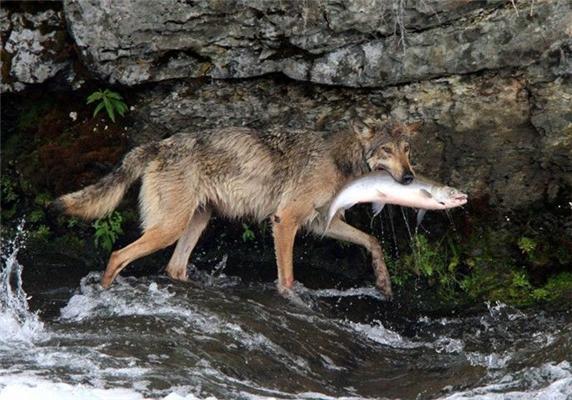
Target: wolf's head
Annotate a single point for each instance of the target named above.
(386, 147)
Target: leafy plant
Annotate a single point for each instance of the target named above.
(36, 216)
(520, 280)
(107, 230)
(111, 101)
(41, 233)
(71, 222)
(247, 234)
(42, 199)
(527, 245)
(8, 189)
(8, 196)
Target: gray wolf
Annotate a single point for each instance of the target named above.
(287, 176)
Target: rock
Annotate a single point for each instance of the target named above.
(35, 49)
(490, 83)
(476, 134)
(357, 44)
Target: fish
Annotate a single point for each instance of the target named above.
(379, 188)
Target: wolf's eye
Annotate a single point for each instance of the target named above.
(387, 149)
(406, 148)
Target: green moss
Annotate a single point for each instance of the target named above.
(30, 116)
(557, 287)
(486, 266)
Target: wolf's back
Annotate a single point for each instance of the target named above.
(99, 199)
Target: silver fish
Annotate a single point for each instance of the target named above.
(380, 189)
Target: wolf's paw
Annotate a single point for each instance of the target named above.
(384, 285)
(286, 287)
(106, 281)
(178, 274)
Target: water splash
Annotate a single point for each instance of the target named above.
(17, 323)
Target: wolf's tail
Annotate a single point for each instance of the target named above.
(99, 199)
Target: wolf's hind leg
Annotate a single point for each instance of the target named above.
(177, 267)
(153, 239)
(343, 231)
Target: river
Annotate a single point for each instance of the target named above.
(226, 338)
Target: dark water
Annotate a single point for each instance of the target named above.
(223, 338)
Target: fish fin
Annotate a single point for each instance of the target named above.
(426, 193)
(339, 214)
(420, 214)
(377, 207)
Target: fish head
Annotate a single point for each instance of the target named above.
(386, 148)
(448, 197)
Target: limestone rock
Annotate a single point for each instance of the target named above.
(358, 44)
(35, 48)
(476, 131)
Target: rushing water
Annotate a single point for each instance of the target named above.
(222, 338)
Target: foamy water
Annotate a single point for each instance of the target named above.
(222, 339)
(18, 326)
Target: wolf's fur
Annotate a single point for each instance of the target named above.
(240, 172)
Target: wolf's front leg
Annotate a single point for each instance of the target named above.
(284, 229)
(342, 231)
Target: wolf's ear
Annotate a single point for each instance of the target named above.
(413, 128)
(363, 129)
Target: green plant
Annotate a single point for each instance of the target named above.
(425, 257)
(71, 222)
(527, 245)
(111, 101)
(41, 233)
(42, 199)
(556, 287)
(399, 272)
(8, 196)
(247, 234)
(36, 216)
(107, 230)
(8, 190)
(520, 280)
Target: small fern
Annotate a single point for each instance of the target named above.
(247, 234)
(111, 101)
(107, 230)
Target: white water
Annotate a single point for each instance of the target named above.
(18, 326)
(147, 339)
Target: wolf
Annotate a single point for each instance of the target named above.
(287, 176)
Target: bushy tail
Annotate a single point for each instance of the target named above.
(99, 199)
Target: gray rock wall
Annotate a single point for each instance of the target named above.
(489, 80)
(35, 49)
(351, 43)
(477, 133)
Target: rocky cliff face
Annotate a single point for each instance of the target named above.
(35, 49)
(489, 80)
(356, 44)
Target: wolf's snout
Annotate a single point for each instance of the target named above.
(407, 178)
